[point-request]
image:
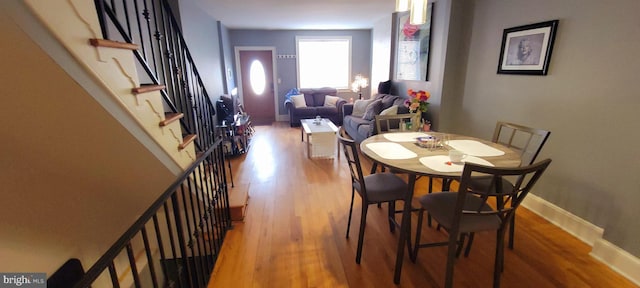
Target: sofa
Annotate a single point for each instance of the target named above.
(310, 103)
(359, 123)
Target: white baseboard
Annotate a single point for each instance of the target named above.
(573, 224)
(619, 260)
(282, 118)
(613, 256)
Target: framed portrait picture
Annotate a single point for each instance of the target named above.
(527, 49)
(410, 47)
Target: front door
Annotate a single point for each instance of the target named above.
(257, 87)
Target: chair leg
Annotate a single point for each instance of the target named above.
(446, 184)
(392, 215)
(430, 191)
(414, 253)
(353, 192)
(468, 250)
(451, 258)
(512, 231)
(499, 259)
(363, 222)
(374, 167)
(463, 236)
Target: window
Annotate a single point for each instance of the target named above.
(257, 77)
(324, 62)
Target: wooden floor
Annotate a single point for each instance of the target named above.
(293, 234)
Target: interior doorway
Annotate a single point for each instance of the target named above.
(256, 72)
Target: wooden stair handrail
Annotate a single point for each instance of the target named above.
(113, 44)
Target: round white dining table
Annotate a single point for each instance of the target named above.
(402, 152)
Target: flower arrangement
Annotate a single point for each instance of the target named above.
(418, 100)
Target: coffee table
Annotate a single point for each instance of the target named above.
(321, 137)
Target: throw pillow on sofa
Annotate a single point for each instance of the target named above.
(393, 110)
(292, 92)
(373, 109)
(330, 101)
(360, 106)
(298, 101)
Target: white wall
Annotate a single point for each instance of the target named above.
(380, 52)
(589, 100)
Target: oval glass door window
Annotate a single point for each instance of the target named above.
(257, 77)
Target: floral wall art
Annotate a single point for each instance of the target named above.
(411, 47)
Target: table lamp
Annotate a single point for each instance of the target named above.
(359, 83)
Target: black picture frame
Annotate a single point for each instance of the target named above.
(410, 47)
(526, 49)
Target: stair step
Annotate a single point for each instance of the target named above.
(238, 201)
(113, 44)
(170, 118)
(145, 88)
(187, 140)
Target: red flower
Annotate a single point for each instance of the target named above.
(409, 30)
(418, 101)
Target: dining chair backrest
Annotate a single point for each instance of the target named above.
(507, 197)
(391, 123)
(527, 141)
(350, 149)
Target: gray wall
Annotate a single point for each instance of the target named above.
(285, 44)
(200, 31)
(227, 58)
(438, 55)
(589, 101)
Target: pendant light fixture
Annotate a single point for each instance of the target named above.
(418, 14)
(402, 5)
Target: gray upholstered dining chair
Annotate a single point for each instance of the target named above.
(373, 189)
(469, 210)
(525, 140)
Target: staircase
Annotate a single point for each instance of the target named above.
(148, 93)
(113, 64)
(157, 90)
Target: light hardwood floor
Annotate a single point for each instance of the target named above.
(293, 234)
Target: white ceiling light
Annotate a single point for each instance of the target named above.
(418, 14)
(402, 5)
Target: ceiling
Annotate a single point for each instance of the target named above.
(298, 14)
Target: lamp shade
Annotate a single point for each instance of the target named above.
(359, 82)
(418, 14)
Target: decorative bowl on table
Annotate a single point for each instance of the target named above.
(431, 141)
(426, 141)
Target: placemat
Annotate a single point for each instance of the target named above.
(439, 163)
(403, 136)
(390, 150)
(474, 148)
